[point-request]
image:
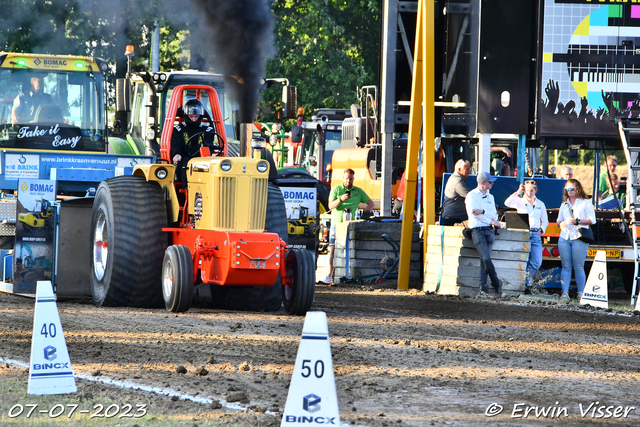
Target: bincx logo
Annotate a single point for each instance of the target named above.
(311, 403)
(50, 353)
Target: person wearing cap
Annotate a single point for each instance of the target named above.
(483, 217)
(525, 201)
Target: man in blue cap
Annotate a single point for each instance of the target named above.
(483, 218)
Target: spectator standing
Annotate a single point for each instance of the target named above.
(575, 212)
(483, 217)
(566, 172)
(614, 188)
(612, 164)
(525, 201)
(398, 202)
(455, 192)
(343, 196)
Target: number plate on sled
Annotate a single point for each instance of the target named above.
(611, 253)
(258, 263)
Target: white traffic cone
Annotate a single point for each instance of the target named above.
(50, 370)
(595, 291)
(312, 397)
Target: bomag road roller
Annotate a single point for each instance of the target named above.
(155, 239)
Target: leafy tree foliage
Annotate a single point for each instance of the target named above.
(327, 48)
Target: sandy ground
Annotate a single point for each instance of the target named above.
(400, 358)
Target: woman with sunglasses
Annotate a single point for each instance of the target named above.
(525, 201)
(575, 212)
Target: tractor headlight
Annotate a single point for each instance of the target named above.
(161, 173)
(225, 165)
(151, 134)
(262, 166)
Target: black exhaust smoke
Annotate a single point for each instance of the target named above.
(240, 34)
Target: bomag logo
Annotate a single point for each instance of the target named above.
(37, 61)
(55, 62)
(300, 195)
(41, 187)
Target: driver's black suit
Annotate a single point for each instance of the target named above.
(187, 140)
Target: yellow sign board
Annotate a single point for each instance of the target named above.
(611, 253)
(33, 61)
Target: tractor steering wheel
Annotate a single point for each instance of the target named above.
(217, 149)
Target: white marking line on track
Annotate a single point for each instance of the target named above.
(156, 390)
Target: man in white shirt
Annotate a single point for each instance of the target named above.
(525, 201)
(483, 217)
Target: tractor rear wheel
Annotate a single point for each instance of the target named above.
(128, 242)
(298, 294)
(262, 298)
(177, 278)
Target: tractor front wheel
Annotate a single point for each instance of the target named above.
(177, 278)
(298, 294)
(128, 242)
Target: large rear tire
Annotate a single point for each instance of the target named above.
(263, 298)
(128, 242)
(177, 278)
(298, 295)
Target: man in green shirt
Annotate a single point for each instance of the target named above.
(614, 188)
(344, 196)
(612, 164)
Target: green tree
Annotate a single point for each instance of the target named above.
(327, 48)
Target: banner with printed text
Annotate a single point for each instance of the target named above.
(35, 223)
(302, 221)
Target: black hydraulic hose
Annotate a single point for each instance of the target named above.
(615, 197)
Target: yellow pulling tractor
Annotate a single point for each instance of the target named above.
(154, 239)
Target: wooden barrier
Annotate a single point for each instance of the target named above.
(360, 248)
(452, 266)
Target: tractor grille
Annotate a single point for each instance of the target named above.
(259, 191)
(240, 212)
(225, 202)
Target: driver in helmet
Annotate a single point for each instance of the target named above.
(187, 138)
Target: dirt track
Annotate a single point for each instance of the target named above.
(399, 357)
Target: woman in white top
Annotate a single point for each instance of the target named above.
(575, 212)
(525, 201)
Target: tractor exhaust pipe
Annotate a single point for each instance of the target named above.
(245, 139)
